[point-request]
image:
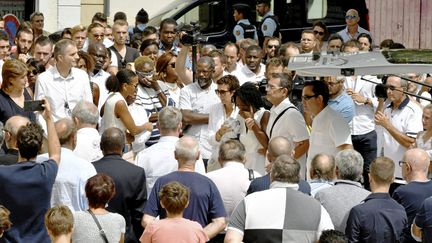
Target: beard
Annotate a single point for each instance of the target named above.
(203, 82)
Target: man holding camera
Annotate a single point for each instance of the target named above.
(401, 121)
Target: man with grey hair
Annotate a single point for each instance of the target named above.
(322, 173)
(347, 191)
(399, 123)
(63, 85)
(11, 128)
(277, 146)
(339, 100)
(195, 101)
(205, 202)
(158, 159)
(86, 117)
(233, 178)
(73, 171)
(279, 213)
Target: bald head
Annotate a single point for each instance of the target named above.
(11, 127)
(187, 149)
(418, 160)
(66, 132)
(279, 146)
(323, 167)
(112, 141)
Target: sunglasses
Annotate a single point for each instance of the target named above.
(308, 97)
(350, 17)
(272, 46)
(321, 33)
(34, 72)
(172, 65)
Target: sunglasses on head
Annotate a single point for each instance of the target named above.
(318, 32)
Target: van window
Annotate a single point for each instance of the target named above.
(210, 15)
(317, 9)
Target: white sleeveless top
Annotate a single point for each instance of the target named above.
(109, 118)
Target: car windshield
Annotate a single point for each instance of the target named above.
(169, 11)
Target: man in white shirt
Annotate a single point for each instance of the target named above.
(232, 52)
(99, 53)
(158, 159)
(330, 132)
(63, 85)
(285, 119)
(401, 121)
(73, 171)
(42, 51)
(86, 117)
(253, 70)
(195, 101)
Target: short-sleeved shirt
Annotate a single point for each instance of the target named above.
(407, 118)
(424, 219)
(205, 202)
(26, 192)
(9, 108)
(269, 26)
(344, 105)
(347, 36)
(238, 30)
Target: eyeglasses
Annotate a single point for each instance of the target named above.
(172, 64)
(269, 87)
(98, 36)
(403, 162)
(308, 97)
(221, 92)
(350, 17)
(272, 46)
(145, 74)
(316, 32)
(34, 72)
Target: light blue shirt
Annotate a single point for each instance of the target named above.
(344, 105)
(72, 176)
(269, 26)
(239, 32)
(347, 36)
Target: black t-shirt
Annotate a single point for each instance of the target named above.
(9, 108)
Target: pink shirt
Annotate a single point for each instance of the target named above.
(175, 230)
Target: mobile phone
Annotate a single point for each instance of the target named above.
(34, 105)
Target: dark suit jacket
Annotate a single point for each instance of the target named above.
(10, 157)
(131, 192)
(263, 183)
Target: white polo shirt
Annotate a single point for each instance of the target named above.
(407, 118)
(329, 131)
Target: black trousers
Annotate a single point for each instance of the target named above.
(366, 145)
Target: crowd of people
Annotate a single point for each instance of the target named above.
(132, 143)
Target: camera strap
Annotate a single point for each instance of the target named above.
(277, 118)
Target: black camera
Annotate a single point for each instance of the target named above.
(191, 34)
(381, 89)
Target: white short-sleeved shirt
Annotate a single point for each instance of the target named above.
(407, 118)
(158, 160)
(238, 31)
(269, 26)
(329, 131)
(100, 79)
(63, 93)
(193, 98)
(246, 75)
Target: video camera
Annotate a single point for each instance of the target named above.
(381, 89)
(192, 34)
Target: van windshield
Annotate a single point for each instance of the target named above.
(169, 11)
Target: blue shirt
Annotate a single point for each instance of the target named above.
(26, 191)
(344, 105)
(424, 220)
(347, 36)
(378, 219)
(205, 201)
(238, 31)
